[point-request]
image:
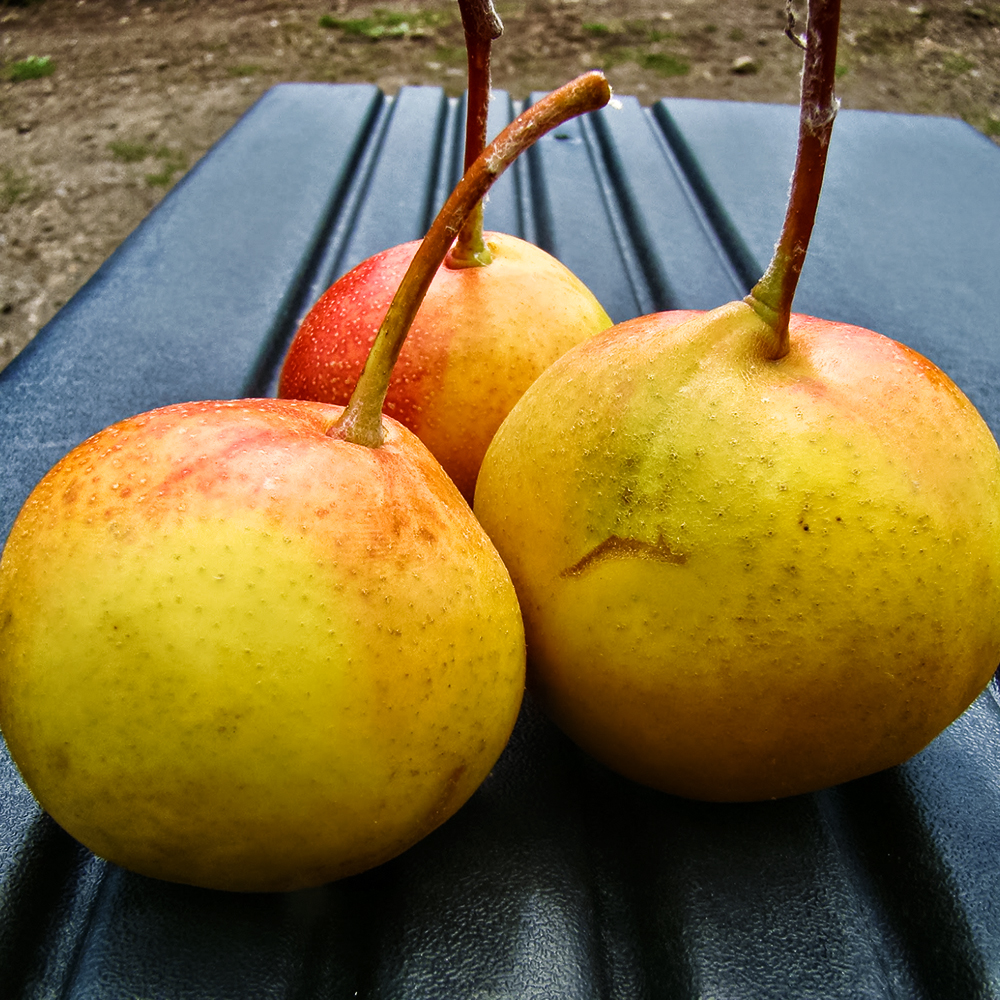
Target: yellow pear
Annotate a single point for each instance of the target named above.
(240, 652)
(756, 553)
(743, 578)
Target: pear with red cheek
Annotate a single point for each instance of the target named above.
(262, 644)
(757, 554)
(481, 337)
(497, 314)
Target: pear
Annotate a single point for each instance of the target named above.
(482, 336)
(243, 653)
(261, 644)
(757, 553)
(497, 314)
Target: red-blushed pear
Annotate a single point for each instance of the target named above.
(482, 336)
(498, 312)
(263, 644)
(756, 554)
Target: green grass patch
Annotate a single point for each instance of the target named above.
(386, 23)
(841, 70)
(129, 152)
(596, 28)
(245, 69)
(13, 186)
(172, 161)
(988, 124)
(32, 68)
(665, 64)
(956, 64)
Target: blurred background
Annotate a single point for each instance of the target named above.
(105, 104)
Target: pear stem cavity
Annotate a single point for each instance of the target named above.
(482, 26)
(361, 421)
(771, 298)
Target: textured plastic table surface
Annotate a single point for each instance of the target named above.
(558, 879)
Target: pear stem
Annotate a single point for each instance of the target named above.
(482, 25)
(361, 421)
(771, 298)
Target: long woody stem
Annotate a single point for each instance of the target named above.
(771, 298)
(482, 25)
(361, 421)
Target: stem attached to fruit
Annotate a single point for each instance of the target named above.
(771, 298)
(482, 25)
(361, 421)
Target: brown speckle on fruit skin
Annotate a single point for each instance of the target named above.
(444, 806)
(59, 759)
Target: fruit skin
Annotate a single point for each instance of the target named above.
(240, 653)
(481, 337)
(744, 579)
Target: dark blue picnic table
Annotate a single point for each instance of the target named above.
(558, 879)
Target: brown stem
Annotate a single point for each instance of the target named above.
(482, 25)
(771, 298)
(361, 421)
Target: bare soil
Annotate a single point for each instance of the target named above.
(138, 90)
